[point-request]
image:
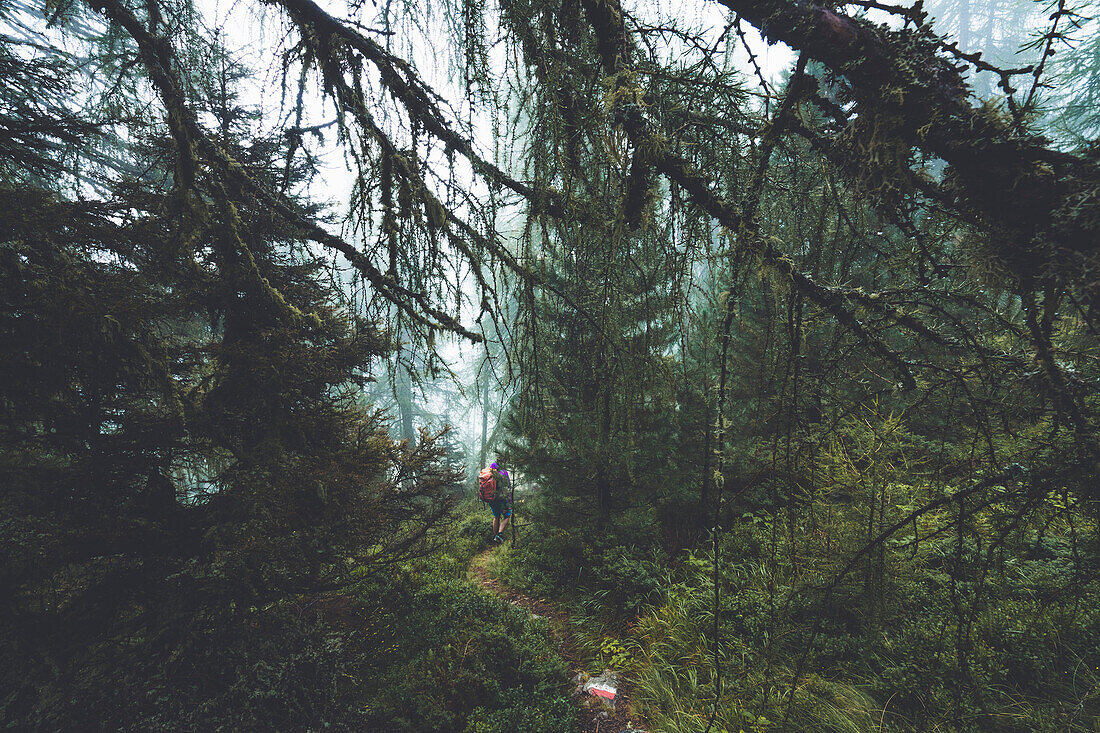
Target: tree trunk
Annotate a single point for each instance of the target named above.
(403, 393)
(603, 473)
(483, 453)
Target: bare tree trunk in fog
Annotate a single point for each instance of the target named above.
(403, 393)
(483, 454)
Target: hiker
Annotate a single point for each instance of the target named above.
(492, 488)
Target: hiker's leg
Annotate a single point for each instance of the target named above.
(505, 517)
(504, 522)
(496, 525)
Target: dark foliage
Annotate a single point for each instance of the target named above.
(182, 453)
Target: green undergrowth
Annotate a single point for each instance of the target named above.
(922, 641)
(611, 575)
(601, 588)
(674, 680)
(414, 647)
(1030, 662)
(886, 679)
(449, 656)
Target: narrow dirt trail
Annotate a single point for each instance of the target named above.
(590, 719)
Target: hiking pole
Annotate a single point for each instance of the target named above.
(512, 500)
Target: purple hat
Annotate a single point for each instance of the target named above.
(493, 465)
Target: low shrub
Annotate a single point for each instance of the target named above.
(466, 660)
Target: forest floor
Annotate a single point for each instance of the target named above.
(594, 715)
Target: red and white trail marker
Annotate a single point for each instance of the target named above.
(601, 690)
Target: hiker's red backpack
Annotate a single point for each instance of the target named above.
(486, 485)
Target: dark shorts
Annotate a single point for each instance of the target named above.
(500, 507)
